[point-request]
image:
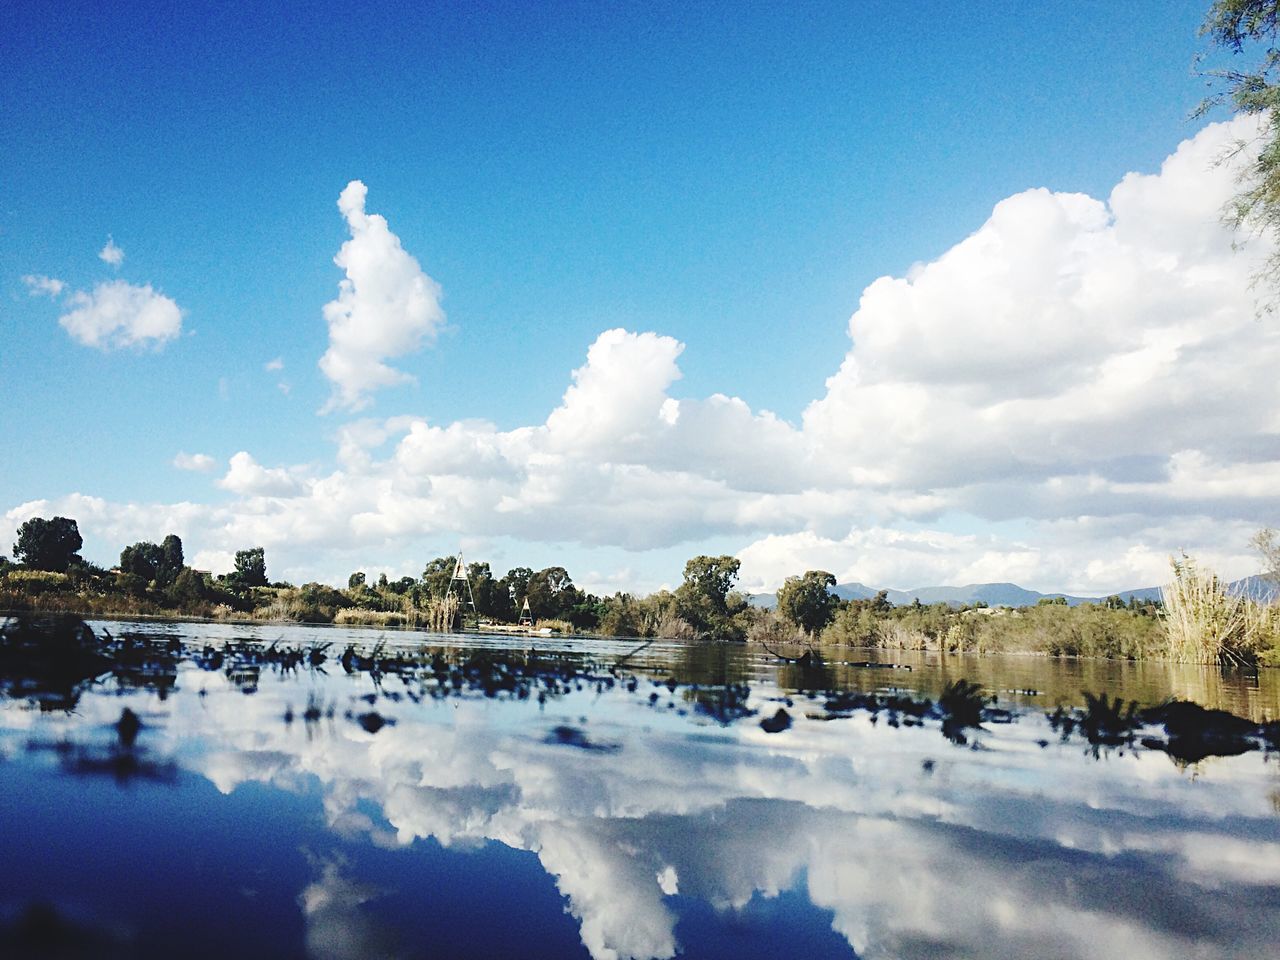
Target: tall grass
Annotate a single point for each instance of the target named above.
(357, 616)
(1204, 623)
(1263, 620)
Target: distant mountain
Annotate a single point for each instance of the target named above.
(1008, 594)
(845, 591)
(1256, 587)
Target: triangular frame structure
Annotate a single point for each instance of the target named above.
(460, 573)
(526, 615)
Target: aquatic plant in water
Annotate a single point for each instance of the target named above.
(1204, 623)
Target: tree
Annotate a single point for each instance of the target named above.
(172, 561)
(880, 602)
(251, 567)
(703, 598)
(808, 601)
(1241, 26)
(490, 600)
(357, 579)
(515, 587)
(48, 544)
(1267, 542)
(436, 576)
(551, 592)
(141, 560)
(188, 588)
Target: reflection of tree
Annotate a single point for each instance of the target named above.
(49, 659)
(838, 812)
(120, 757)
(714, 680)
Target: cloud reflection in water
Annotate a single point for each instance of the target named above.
(916, 848)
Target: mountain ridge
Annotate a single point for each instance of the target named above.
(1005, 594)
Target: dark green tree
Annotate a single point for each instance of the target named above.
(188, 589)
(251, 567)
(436, 576)
(356, 580)
(490, 601)
(551, 592)
(171, 561)
(808, 601)
(514, 587)
(48, 544)
(704, 596)
(142, 560)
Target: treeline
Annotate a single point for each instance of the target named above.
(48, 573)
(1203, 624)
(1200, 620)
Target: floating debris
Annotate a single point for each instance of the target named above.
(777, 723)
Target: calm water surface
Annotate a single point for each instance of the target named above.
(608, 814)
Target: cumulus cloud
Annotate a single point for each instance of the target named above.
(111, 253)
(387, 307)
(249, 478)
(40, 285)
(197, 462)
(119, 314)
(1066, 337)
(829, 810)
(273, 366)
(1065, 397)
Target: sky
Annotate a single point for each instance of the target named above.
(943, 299)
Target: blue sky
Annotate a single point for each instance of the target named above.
(731, 176)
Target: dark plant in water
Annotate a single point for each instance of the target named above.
(961, 703)
(1109, 722)
(49, 659)
(777, 723)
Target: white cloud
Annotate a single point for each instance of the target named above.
(247, 477)
(1064, 398)
(386, 307)
(111, 253)
(40, 285)
(198, 462)
(272, 366)
(828, 809)
(119, 314)
(1065, 337)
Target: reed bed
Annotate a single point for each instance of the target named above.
(1204, 622)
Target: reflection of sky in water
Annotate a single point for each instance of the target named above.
(834, 838)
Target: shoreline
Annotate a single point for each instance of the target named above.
(505, 630)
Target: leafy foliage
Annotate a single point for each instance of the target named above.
(251, 567)
(705, 601)
(808, 601)
(48, 544)
(1242, 27)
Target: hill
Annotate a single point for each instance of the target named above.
(1008, 594)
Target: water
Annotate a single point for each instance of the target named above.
(614, 822)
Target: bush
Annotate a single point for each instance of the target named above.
(775, 629)
(360, 616)
(37, 581)
(1203, 622)
(555, 626)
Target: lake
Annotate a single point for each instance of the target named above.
(512, 797)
